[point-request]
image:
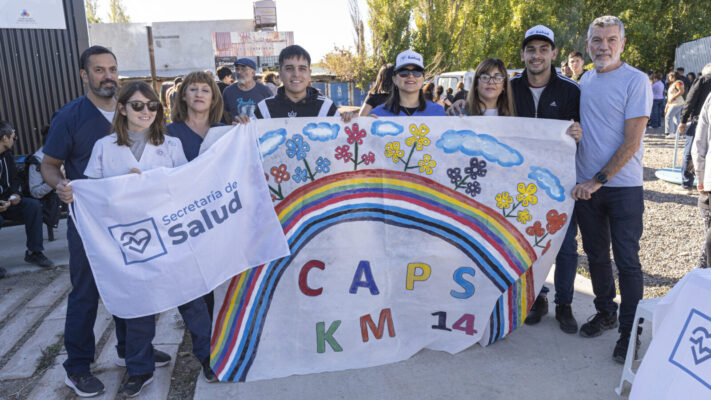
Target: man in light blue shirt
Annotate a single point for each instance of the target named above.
(615, 103)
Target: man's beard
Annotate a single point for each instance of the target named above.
(105, 92)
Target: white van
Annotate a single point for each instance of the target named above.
(451, 79)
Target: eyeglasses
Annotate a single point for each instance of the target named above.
(486, 78)
(152, 105)
(406, 72)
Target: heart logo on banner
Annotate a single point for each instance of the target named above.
(136, 241)
(697, 338)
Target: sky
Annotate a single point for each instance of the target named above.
(318, 25)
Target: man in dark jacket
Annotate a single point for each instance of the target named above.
(690, 114)
(295, 98)
(14, 206)
(539, 92)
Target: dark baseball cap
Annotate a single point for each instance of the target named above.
(246, 62)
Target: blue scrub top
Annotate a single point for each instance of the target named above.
(431, 110)
(73, 131)
(189, 138)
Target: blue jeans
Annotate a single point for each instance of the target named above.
(655, 120)
(198, 321)
(82, 305)
(566, 265)
(30, 212)
(687, 177)
(614, 216)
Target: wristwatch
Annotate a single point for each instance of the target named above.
(601, 177)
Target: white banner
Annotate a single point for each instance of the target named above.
(32, 14)
(677, 364)
(162, 238)
(405, 233)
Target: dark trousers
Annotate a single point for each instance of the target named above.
(197, 320)
(704, 259)
(30, 211)
(566, 265)
(687, 177)
(82, 305)
(655, 119)
(614, 216)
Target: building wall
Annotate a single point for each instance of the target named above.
(178, 46)
(39, 73)
(694, 55)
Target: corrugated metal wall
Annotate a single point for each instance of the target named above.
(39, 72)
(694, 55)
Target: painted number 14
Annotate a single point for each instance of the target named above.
(465, 323)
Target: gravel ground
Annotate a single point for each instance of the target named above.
(673, 230)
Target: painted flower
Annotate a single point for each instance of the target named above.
(355, 135)
(300, 175)
(343, 153)
(476, 168)
(536, 229)
(473, 188)
(323, 165)
(368, 158)
(455, 175)
(297, 147)
(503, 200)
(524, 216)
(418, 137)
(526, 194)
(427, 163)
(280, 174)
(392, 150)
(555, 221)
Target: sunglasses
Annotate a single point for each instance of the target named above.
(406, 72)
(152, 105)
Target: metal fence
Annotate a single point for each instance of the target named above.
(39, 73)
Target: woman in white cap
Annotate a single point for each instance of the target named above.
(406, 98)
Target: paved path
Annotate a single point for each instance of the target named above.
(535, 362)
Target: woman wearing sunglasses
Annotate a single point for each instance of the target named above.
(139, 143)
(407, 98)
(490, 93)
(197, 108)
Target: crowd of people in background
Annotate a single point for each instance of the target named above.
(609, 108)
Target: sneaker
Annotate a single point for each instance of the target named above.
(207, 372)
(598, 323)
(84, 385)
(161, 359)
(135, 384)
(619, 354)
(566, 320)
(38, 258)
(539, 309)
(684, 190)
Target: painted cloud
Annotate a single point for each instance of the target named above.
(385, 128)
(271, 141)
(548, 182)
(473, 144)
(322, 131)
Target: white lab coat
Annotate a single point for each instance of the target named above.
(109, 159)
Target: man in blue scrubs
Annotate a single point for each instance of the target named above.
(74, 130)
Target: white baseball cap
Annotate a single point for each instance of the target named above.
(409, 57)
(540, 32)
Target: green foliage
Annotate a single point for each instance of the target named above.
(458, 34)
(117, 12)
(91, 6)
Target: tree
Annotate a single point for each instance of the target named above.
(91, 6)
(117, 12)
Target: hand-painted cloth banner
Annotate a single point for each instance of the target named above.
(677, 364)
(162, 238)
(405, 233)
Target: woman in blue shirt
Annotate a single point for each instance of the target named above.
(198, 107)
(406, 98)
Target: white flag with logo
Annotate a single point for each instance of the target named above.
(169, 235)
